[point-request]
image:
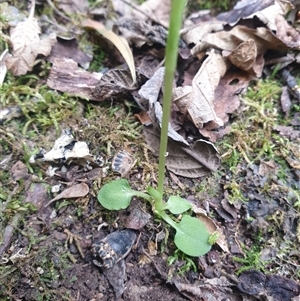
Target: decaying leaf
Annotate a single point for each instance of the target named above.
(212, 289)
(66, 76)
(136, 218)
(27, 45)
(119, 42)
(194, 34)
(150, 92)
(265, 11)
(227, 94)
(198, 100)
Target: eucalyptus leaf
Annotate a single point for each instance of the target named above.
(116, 195)
(177, 205)
(192, 236)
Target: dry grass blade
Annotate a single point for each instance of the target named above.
(121, 44)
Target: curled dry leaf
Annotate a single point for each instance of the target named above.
(27, 45)
(198, 100)
(244, 55)
(120, 43)
(184, 160)
(212, 227)
(114, 83)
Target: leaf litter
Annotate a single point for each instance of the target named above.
(227, 53)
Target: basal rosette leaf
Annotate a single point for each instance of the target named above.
(177, 205)
(192, 236)
(115, 195)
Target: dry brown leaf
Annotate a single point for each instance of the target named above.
(75, 191)
(120, 43)
(243, 9)
(183, 160)
(150, 92)
(198, 100)
(135, 218)
(286, 33)
(69, 49)
(227, 93)
(27, 45)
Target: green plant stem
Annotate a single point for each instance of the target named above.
(177, 8)
(143, 195)
(167, 219)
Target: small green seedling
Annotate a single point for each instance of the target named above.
(192, 236)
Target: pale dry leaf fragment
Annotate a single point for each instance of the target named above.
(120, 43)
(151, 89)
(198, 102)
(3, 68)
(27, 45)
(266, 11)
(158, 10)
(243, 9)
(194, 34)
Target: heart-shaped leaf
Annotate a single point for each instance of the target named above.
(192, 236)
(115, 195)
(177, 205)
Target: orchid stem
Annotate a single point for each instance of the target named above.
(177, 8)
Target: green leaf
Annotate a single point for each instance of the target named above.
(116, 195)
(192, 236)
(177, 205)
